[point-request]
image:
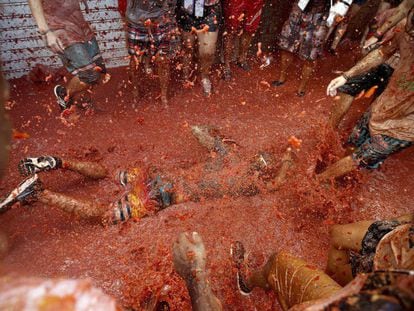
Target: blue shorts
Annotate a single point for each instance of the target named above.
(80, 57)
(373, 150)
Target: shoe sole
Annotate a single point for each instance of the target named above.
(13, 196)
(59, 99)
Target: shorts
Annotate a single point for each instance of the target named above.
(162, 39)
(212, 17)
(373, 150)
(252, 11)
(81, 57)
(378, 76)
(303, 34)
(363, 261)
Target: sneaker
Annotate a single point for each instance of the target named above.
(27, 190)
(30, 166)
(206, 83)
(237, 253)
(60, 93)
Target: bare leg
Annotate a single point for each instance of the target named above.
(133, 75)
(286, 59)
(207, 48)
(228, 53)
(189, 42)
(293, 280)
(280, 179)
(338, 266)
(189, 257)
(245, 41)
(89, 169)
(340, 108)
(80, 208)
(307, 71)
(76, 86)
(340, 168)
(163, 67)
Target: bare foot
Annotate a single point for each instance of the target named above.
(189, 255)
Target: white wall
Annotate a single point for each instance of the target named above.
(21, 46)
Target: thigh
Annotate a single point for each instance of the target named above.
(207, 42)
(188, 39)
(349, 236)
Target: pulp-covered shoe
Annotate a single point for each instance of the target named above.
(61, 94)
(27, 190)
(237, 253)
(30, 166)
(206, 84)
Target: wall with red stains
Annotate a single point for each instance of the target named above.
(21, 46)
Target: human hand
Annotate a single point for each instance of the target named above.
(334, 85)
(189, 255)
(53, 42)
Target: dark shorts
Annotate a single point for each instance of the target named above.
(212, 18)
(378, 76)
(304, 34)
(162, 39)
(82, 57)
(373, 150)
(362, 262)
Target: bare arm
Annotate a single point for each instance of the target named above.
(38, 14)
(51, 40)
(399, 13)
(373, 59)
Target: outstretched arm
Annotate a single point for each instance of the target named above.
(399, 13)
(189, 257)
(371, 60)
(51, 40)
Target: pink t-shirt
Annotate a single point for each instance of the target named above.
(65, 18)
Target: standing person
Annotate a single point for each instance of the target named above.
(242, 18)
(388, 126)
(303, 35)
(5, 128)
(65, 31)
(152, 35)
(199, 19)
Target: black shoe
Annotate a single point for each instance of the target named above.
(30, 166)
(278, 83)
(26, 191)
(301, 93)
(244, 65)
(60, 93)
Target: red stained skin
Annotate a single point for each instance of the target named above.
(132, 261)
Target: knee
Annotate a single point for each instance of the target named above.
(89, 76)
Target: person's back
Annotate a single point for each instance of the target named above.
(393, 112)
